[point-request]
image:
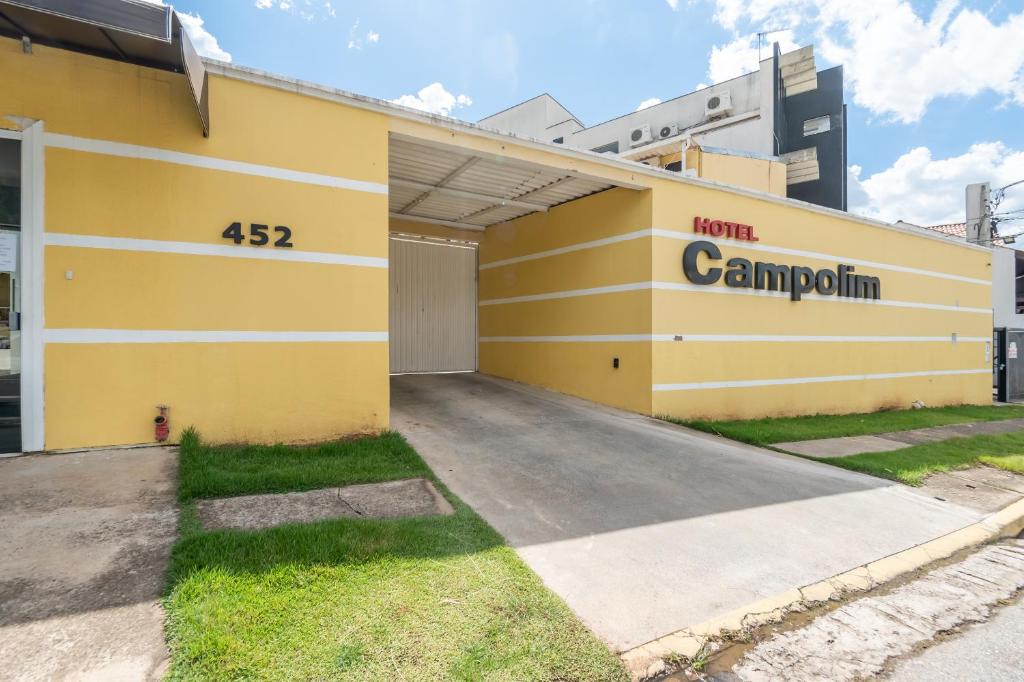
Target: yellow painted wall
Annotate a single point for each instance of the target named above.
(578, 367)
(687, 313)
(762, 175)
(105, 393)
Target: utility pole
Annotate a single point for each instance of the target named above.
(979, 218)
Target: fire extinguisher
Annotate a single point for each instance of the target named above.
(163, 426)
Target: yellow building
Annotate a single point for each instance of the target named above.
(264, 279)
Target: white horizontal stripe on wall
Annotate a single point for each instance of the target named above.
(133, 151)
(704, 385)
(639, 234)
(758, 338)
(595, 338)
(684, 236)
(742, 291)
(572, 293)
(203, 336)
(733, 338)
(704, 289)
(199, 249)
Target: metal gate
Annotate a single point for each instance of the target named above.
(1008, 364)
(433, 308)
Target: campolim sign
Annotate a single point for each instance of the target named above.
(742, 273)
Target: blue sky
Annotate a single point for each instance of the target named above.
(935, 90)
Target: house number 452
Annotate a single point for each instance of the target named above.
(259, 235)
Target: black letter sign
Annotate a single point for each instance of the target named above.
(690, 263)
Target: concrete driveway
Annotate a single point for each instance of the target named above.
(83, 558)
(642, 527)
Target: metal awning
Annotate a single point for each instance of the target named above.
(126, 30)
(461, 188)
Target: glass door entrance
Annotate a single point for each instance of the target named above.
(10, 311)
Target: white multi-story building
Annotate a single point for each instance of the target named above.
(785, 110)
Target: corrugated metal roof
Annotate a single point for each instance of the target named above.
(474, 190)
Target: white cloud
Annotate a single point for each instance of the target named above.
(674, 4)
(923, 190)
(309, 10)
(648, 103)
(434, 99)
(741, 55)
(897, 61)
(264, 4)
(205, 42)
(356, 40)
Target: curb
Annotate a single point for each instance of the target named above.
(647, 660)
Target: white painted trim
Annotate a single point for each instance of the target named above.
(704, 385)
(733, 338)
(133, 151)
(779, 338)
(572, 293)
(628, 236)
(739, 291)
(199, 249)
(685, 236)
(10, 134)
(595, 338)
(33, 190)
(765, 248)
(206, 336)
(704, 289)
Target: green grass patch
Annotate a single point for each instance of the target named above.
(911, 465)
(788, 429)
(358, 599)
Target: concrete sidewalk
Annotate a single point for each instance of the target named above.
(83, 558)
(896, 440)
(645, 528)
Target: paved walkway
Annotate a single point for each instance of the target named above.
(895, 440)
(84, 546)
(642, 527)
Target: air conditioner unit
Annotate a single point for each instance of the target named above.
(640, 136)
(717, 104)
(670, 130)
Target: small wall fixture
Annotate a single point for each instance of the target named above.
(615, 363)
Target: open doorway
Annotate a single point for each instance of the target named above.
(10, 312)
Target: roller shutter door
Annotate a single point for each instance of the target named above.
(433, 307)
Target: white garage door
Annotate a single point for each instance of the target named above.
(433, 307)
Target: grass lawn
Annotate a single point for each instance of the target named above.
(911, 465)
(788, 429)
(423, 598)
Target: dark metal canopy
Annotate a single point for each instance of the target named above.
(126, 30)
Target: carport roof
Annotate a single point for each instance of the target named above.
(463, 188)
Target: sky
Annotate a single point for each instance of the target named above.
(934, 90)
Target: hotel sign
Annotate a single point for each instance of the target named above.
(742, 273)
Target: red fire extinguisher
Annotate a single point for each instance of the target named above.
(163, 426)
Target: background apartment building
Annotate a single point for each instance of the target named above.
(785, 112)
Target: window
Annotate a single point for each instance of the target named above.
(813, 126)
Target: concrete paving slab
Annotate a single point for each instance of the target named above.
(83, 557)
(997, 478)
(642, 527)
(966, 489)
(390, 499)
(841, 447)
(939, 433)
